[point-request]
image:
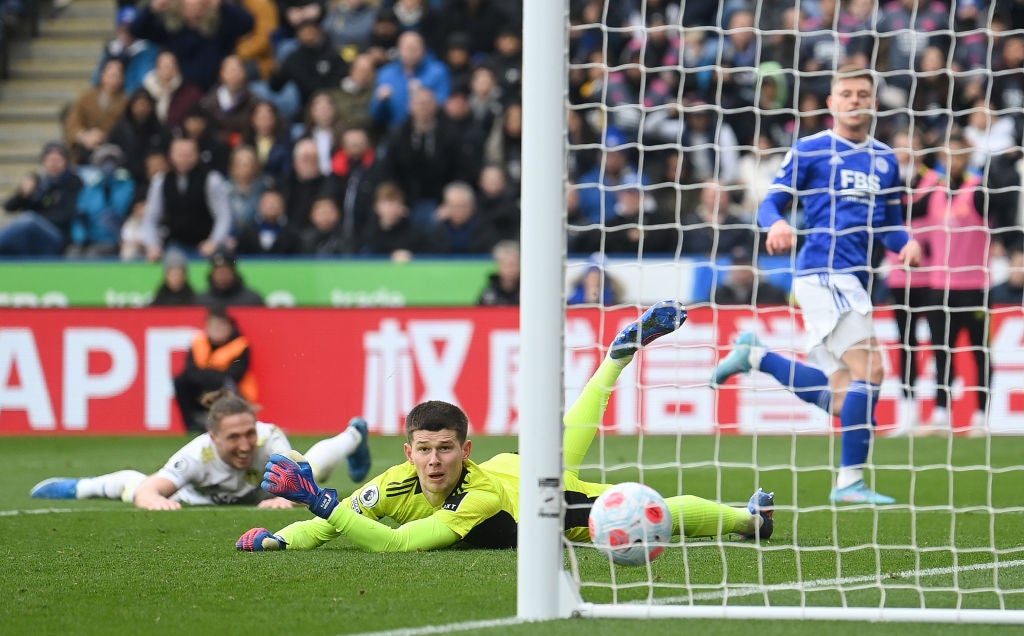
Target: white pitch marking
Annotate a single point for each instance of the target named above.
(826, 583)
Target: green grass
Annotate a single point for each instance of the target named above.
(97, 566)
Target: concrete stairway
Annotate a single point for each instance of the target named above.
(47, 73)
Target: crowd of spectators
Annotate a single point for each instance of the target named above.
(394, 127)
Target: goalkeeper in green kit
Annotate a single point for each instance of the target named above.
(441, 497)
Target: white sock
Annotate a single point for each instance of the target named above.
(910, 413)
(327, 454)
(940, 417)
(848, 475)
(109, 486)
(756, 354)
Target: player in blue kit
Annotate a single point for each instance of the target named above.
(850, 188)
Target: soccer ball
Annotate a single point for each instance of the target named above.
(628, 521)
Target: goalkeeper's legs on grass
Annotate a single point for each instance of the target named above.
(692, 516)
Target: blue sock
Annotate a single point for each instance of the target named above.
(856, 418)
(806, 382)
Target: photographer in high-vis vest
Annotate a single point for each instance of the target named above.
(218, 359)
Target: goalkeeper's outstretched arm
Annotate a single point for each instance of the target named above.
(293, 480)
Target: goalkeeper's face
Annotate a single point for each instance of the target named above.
(438, 458)
(235, 440)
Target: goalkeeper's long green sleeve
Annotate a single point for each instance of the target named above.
(422, 534)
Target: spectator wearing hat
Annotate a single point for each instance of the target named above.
(507, 61)
(92, 116)
(103, 204)
(46, 203)
(186, 207)
(459, 60)
(597, 186)
(226, 286)
(595, 286)
(414, 67)
(314, 65)
(199, 32)
(218, 359)
(174, 289)
(137, 56)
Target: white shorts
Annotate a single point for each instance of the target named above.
(837, 315)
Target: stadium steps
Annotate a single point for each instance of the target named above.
(47, 73)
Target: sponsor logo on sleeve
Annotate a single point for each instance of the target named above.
(451, 504)
(370, 496)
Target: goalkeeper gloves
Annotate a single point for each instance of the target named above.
(294, 481)
(258, 540)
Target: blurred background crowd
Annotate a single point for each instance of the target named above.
(394, 127)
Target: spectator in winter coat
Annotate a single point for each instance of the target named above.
(415, 67)
(269, 234)
(199, 32)
(226, 286)
(103, 204)
(137, 56)
(138, 133)
(94, 113)
(503, 285)
(174, 289)
(390, 232)
(46, 203)
(314, 65)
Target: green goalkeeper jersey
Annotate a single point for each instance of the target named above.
(482, 510)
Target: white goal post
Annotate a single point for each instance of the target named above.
(551, 580)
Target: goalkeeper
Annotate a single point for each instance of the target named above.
(220, 466)
(440, 497)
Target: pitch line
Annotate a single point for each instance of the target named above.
(130, 508)
(450, 628)
(808, 586)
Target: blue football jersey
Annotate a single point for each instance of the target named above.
(850, 192)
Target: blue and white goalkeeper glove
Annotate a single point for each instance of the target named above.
(258, 540)
(293, 480)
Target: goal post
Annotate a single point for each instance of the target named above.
(541, 313)
(949, 550)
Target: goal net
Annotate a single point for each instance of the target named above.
(677, 117)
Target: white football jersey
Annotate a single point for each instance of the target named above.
(203, 478)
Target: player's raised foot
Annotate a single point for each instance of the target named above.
(660, 319)
(359, 460)
(55, 488)
(763, 504)
(859, 493)
(738, 360)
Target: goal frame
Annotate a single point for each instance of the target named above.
(545, 588)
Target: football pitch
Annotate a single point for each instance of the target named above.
(98, 566)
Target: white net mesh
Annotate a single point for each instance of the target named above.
(680, 116)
